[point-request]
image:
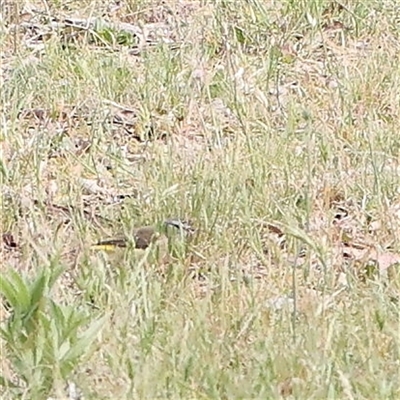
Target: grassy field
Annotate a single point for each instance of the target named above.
(273, 126)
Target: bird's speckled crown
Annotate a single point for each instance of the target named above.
(180, 224)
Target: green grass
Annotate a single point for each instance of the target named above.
(247, 114)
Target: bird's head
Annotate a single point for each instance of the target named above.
(180, 224)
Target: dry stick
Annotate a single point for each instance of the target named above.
(67, 210)
(16, 9)
(294, 290)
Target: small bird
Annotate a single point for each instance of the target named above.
(144, 236)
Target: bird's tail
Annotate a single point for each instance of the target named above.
(109, 245)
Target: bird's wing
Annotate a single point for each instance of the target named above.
(144, 237)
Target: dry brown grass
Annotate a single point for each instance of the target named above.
(273, 125)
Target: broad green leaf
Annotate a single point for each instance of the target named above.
(37, 289)
(84, 341)
(15, 291)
